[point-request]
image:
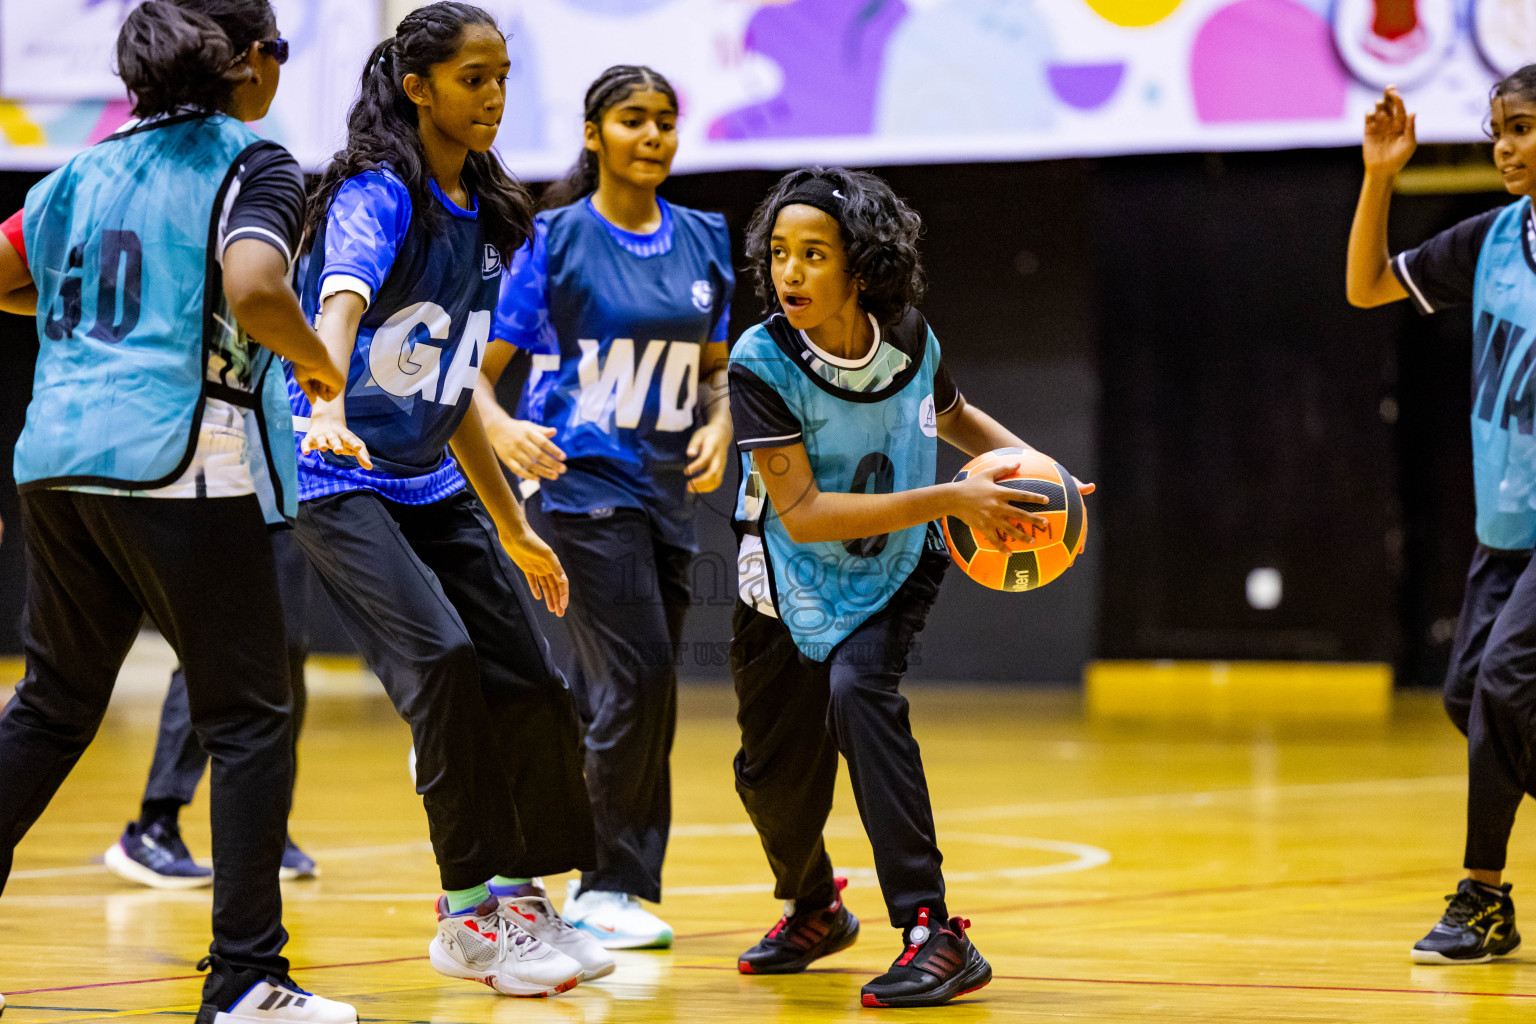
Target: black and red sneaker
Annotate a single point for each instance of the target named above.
(937, 965)
(801, 937)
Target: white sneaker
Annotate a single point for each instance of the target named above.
(267, 1003)
(484, 946)
(2, 1004)
(528, 907)
(615, 919)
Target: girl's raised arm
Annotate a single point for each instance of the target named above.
(1389, 143)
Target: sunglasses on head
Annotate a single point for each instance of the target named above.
(278, 48)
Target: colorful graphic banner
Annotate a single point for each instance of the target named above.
(775, 83)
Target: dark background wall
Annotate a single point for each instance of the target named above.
(1175, 329)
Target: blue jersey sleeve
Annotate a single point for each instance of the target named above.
(522, 312)
(722, 332)
(363, 230)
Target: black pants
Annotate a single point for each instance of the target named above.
(629, 595)
(1490, 693)
(179, 759)
(202, 571)
(434, 604)
(797, 714)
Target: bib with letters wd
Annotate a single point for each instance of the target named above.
(618, 373)
(878, 441)
(133, 327)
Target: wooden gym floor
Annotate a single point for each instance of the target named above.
(1113, 873)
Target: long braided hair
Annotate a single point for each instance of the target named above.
(383, 128)
(611, 88)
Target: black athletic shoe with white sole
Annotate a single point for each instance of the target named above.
(802, 937)
(937, 965)
(1477, 926)
(234, 995)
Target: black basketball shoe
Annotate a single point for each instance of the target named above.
(1477, 927)
(801, 937)
(937, 965)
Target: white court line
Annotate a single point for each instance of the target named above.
(1214, 798)
(1083, 857)
(1149, 802)
(340, 853)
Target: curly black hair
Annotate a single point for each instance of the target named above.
(879, 235)
(382, 129)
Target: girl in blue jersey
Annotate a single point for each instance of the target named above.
(1489, 263)
(157, 444)
(409, 227)
(839, 400)
(623, 299)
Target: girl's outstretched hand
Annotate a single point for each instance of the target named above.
(525, 448)
(539, 563)
(325, 434)
(1389, 135)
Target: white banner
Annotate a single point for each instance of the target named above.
(775, 83)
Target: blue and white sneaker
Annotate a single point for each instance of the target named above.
(156, 857)
(615, 919)
(297, 864)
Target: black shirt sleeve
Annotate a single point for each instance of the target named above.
(945, 394)
(759, 416)
(1440, 273)
(269, 202)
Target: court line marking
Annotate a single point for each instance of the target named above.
(1179, 984)
(1163, 894)
(1195, 800)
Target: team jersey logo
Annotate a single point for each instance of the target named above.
(490, 265)
(926, 419)
(703, 296)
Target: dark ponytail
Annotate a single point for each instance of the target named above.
(186, 53)
(612, 87)
(382, 128)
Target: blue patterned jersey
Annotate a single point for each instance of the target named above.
(616, 323)
(431, 298)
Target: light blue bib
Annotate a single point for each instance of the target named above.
(1503, 391)
(881, 442)
(133, 327)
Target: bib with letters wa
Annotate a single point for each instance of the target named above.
(1503, 388)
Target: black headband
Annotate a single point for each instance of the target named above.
(821, 193)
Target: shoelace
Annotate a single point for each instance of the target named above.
(1463, 907)
(520, 936)
(546, 911)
